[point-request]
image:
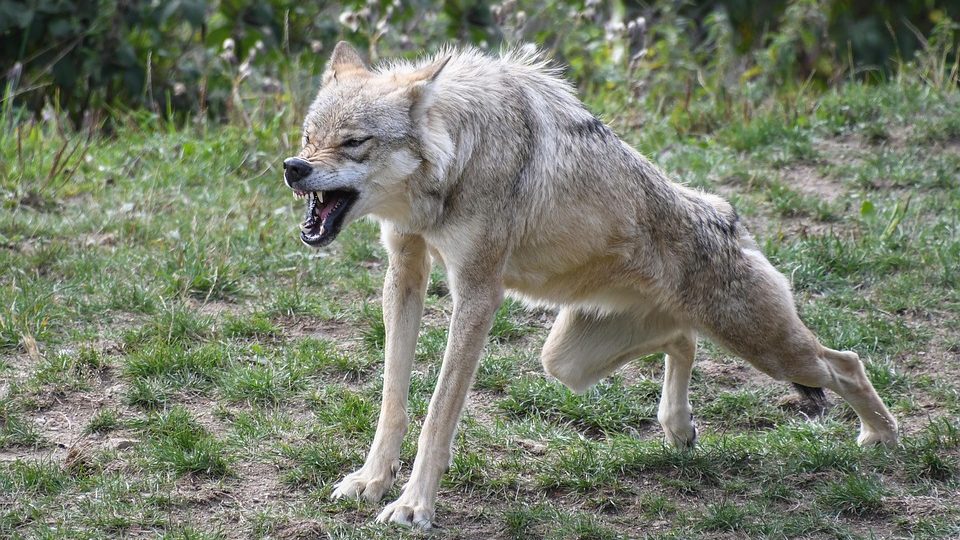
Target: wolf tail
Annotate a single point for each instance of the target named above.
(814, 395)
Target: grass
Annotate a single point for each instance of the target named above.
(179, 444)
(855, 494)
(164, 322)
(105, 421)
(609, 407)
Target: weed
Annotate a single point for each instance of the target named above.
(506, 325)
(374, 331)
(26, 311)
(176, 365)
(345, 413)
(314, 356)
(149, 393)
(318, 464)
(174, 326)
(267, 383)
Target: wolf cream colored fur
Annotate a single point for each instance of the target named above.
(491, 166)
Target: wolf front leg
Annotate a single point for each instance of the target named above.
(403, 291)
(475, 303)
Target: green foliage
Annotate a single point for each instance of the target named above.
(34, 478)
(186, 57)
(149, 393)
(26, 310)
(506, 323)
(314, 356)
(374, 331)
(723, 516)
(346, 413)
(266, 383)
(743, 409)
(496, 373)
(175, 326)
(319, 463)
(184, 368)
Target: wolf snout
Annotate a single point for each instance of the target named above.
(296, 169)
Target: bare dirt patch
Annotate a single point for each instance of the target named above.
(807, 180)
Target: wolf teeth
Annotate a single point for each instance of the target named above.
(320, 195)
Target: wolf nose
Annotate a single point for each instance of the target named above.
(296, 169)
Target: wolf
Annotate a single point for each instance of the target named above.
(492, 167)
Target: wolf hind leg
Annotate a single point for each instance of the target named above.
(675, 413)
(799, 358)
(583, 348)
(846, 376)
(757, 321)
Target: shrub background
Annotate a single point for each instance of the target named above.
(93, 58)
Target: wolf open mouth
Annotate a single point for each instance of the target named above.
(324, 216)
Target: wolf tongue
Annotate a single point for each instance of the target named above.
(328, 207)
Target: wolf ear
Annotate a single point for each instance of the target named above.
(426, 74)
(344, 59)
(419, 85)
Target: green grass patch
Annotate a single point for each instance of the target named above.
(255, 326)
(105, 421)
(178, 443)
(856, 494)
(180, 367)
(33, 478)
(177, 325)
(15, 430)
(319, 463)
(611, 406)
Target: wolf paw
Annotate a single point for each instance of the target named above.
(366, 484)
(408, 512)
(682, 435)
(872, 438)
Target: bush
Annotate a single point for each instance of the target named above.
(188, 58)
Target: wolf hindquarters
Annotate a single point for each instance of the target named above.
(756, 321)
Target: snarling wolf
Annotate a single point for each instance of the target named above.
(491, 166)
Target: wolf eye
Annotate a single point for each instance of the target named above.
(354, 142)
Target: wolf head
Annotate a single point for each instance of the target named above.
(361, 142)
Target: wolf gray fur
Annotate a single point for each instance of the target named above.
(492, 167)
